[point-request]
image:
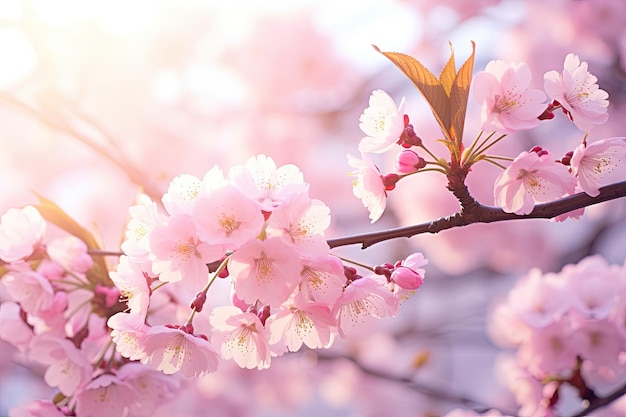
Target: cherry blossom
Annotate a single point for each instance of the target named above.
(301, 222)
(241, 337)
(28, 288)
(152, 387)
(382, 122)
(179, 253)
(578, 92)
(508, 104)
(144, 217)
(532, 177)
(322, 279)
(267, 184)
(227, 217)
(128, 332)
(12, 326)
(363, 298)
(266, 270)
(368, 185)
(182, 194)
(172, 350)
(21, 231)
(599, 163)
(133, 284)
(308, 323)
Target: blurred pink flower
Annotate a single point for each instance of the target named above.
(71, 253)
(241, 337)
(13, 329)
(28, 288)
(368, 185)
(153, 388)
(68, 368)
(507, 102)
(382, 122)
(599, 163)
(144, 216)
(532, 177)
(578, 92)
(38, 408)
(21, 231)
(173, 350)
(105, 396)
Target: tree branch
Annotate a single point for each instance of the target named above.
(600, 402)
(478, 213)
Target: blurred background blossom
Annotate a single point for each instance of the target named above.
(101, 100)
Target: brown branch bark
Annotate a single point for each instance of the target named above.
(473, 212)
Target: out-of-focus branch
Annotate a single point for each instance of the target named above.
(600, 402)
(427, 390)
(478, 213)
(62, 124)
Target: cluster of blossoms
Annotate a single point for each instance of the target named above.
(568, 329)
(508, 104)
(255, 229)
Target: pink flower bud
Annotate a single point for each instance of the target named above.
(407, 278)
(409, 162)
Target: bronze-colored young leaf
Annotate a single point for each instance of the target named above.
(448, 73)
(430, 87)
(57, 216)
(458, 99)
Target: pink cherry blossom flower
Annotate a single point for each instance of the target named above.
(71, 253)
(133, 284)
(265, 270)
(302, 322)
(179, 253)
(408, 274)
(578, 92)
(599, 163)
(368, 185)
(322, 279)
(241, 337)
(364, 298)
(532, 177)
(508, 105)
(173, 350)
(28, 288)
(182, 194)
(382, 122)
(128, 332)
(68, 367)
(266, 184)
(144, 217)
(12, 327)
(301, 222)
(38, 408)
(227, 217)
(105, 396)
(21, 231)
